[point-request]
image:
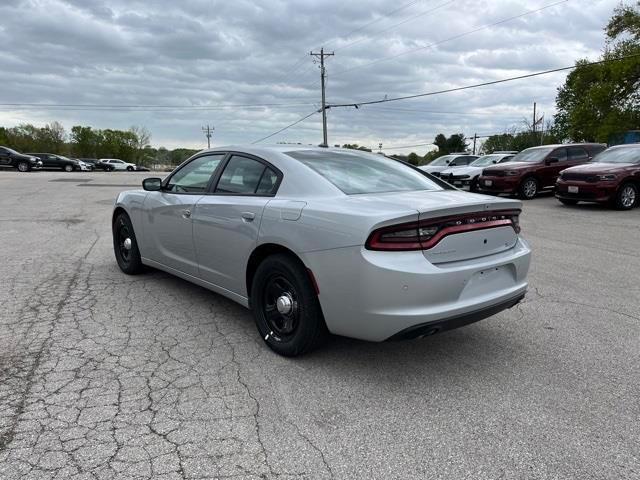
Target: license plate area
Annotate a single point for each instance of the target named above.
(488, 183)
(573, 189)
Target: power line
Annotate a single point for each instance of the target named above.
(391, 27)
(87, 106)
(347, 35)
(288, 126)
(484, 84)
(384, 15)
(455, 37)
(436, 112)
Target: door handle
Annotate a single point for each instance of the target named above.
(186, 213)
(248, 216)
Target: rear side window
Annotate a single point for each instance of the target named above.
(361, 172)
(560, 154)
(577, 153)
(246, 176)
(194, 176)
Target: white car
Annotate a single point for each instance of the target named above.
(448, 161)
(84, 166)
(467, 177)
(317, 240)
(117, 164)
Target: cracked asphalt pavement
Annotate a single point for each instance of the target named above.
(106, 376)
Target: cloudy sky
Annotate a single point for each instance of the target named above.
(244, 66)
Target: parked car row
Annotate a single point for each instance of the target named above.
(579, 172)
(25, 162)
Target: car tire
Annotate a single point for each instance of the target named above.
(281, 282)
(626, 197)
(528, 189)
(23, 166)
(127, 253)
(68, 168)
(130, 169)
(473, 187)
(568, 201)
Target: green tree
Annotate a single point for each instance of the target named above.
(598, 101)
(84, 141)
(413, 158)
(355, 146)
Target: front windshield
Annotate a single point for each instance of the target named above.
(442, 161)
(532, 155)
(10, 150)
(361, 172)
(619, 155)
(486, 160)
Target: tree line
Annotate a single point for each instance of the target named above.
(131, 145)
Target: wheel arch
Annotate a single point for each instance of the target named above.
(259, 254)
(117, 211)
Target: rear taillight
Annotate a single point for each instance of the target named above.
(427, 233)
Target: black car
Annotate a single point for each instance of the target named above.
(24, 163)
(50, 160)
(97, 165)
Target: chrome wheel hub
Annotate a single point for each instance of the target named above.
(127, 243)
(530, 188)
(628, 196)
(284, 304)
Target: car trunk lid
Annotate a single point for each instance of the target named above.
(466, 225)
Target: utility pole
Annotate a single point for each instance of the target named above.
(207, 133)
(475, 137)
(321, 55)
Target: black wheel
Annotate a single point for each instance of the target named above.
(129, 169)
(68, 168)
(568, 201)
(528, 188)
(627, 196)
(473, 187)
(125, 245)
(23, 166)
(286, 308)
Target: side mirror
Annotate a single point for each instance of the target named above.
(551, 160)
(152, 184)
(494, 161)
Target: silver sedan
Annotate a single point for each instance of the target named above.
(317, 241)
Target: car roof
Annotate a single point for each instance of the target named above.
(560, 145)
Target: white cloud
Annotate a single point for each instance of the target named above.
(198, 52)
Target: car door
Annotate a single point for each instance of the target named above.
(167, 217)
(5, 156)
(55, 161)
(116, 164)
(226, 223)
(551, 170)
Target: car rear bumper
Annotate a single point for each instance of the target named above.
(600, 192)
(376, 296)
(431, 328)
(499, 184)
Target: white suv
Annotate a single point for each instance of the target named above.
(116, 164)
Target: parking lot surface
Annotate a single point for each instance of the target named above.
(103, 375)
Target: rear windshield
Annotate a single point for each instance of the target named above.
(361, 172)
